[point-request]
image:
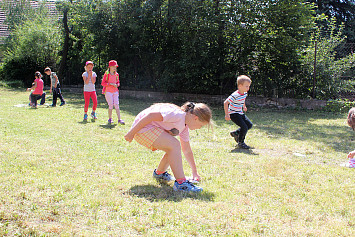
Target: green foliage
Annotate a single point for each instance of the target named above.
(329, 68)
(34, 43)
(339, 105)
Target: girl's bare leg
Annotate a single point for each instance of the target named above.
(173, 157)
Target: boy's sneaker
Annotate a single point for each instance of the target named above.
(110, 121)
(120, 121)
(93, 115)
(163, 178)
(186, 186)
(85, 117)
(243, 145)
(63, 103)
(235, 135)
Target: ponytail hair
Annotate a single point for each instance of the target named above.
(38, 74)
(351, 118)
(201, 110)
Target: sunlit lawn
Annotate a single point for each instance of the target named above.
(60, 176)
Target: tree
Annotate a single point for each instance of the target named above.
(342, 10)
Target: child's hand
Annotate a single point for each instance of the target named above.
(196, 177)
(227, 117)
(28, 89)
(351, 154)
(245, 109)
(129, 137)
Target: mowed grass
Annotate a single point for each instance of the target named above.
(62, 177)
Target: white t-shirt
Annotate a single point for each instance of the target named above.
(90, 86)
(173, 117)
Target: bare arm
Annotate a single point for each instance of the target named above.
(225, 106)
(189, 156)
(93, 79)
(33, 87)
(56, 81)
(156, 116)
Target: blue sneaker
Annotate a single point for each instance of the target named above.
(85, 117)
(186, 186)
(164, 178)
(93, 115)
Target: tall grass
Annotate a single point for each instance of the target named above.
(60, 176)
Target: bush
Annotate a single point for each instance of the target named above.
(339, 105)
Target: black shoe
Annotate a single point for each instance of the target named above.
(235, 135)
(243, 145)
(63, 103)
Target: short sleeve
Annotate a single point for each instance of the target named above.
(185, 135)
(171, 114)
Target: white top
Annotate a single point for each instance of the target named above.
(90, 86)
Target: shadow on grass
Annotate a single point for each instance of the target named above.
(108, 126)
(156, 193)
(244, 151)
(87, 121)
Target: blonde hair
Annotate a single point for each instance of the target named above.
(243, 78)
(201, 110)
(351, 118)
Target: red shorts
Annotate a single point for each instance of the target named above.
(148, 137)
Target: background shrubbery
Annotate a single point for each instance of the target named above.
(189, 46)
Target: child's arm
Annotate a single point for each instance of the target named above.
(33, 87)
(226, 114)
(93, 79)
(86, 79)
(245, 108)
(351, 154)
(56, 81)
(104, 81)
(186, 149)
(147, 119)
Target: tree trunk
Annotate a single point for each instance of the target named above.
(63, 62)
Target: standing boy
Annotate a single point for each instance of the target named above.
(55, 87)
(234, 106)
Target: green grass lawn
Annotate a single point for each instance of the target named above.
(60, 176)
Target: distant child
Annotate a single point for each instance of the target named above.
(89, 77)
(234, 106)
(37, 92)
(110, 83)
(156, 128)
(55, 87)
(351, 123)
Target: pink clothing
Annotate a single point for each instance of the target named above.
(112, 99)
(39, 89)
(173, 117)
(87, 96)
(108, 78)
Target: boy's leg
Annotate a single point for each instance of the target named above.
(173, 157)
(59, 93)
(55, 95)
(240, 121)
